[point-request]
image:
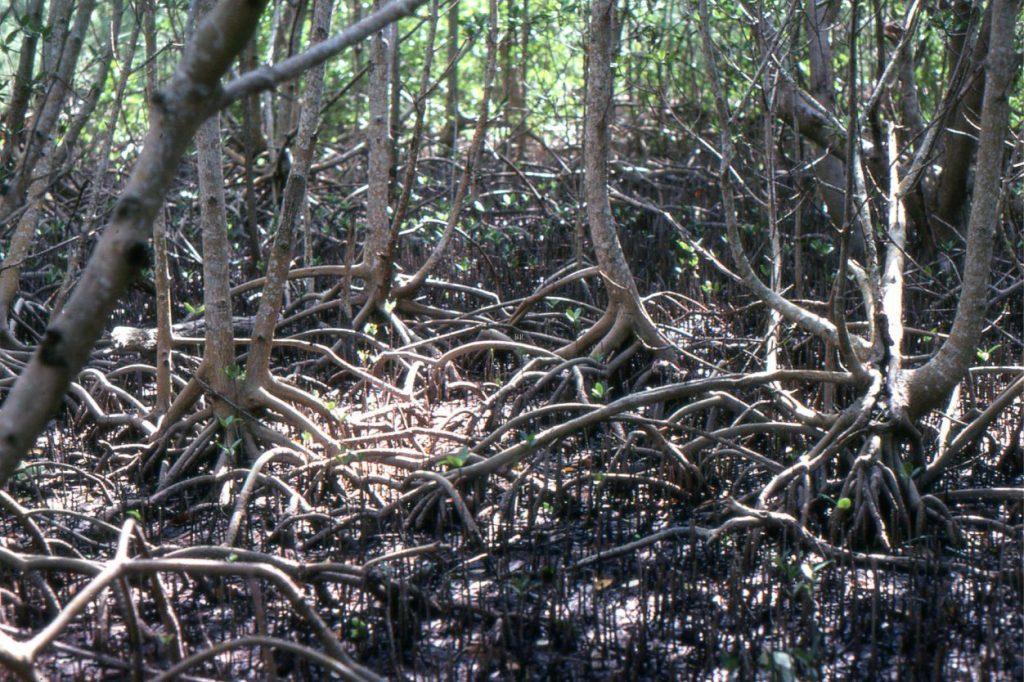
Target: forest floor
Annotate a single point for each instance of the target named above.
(585, 556)
(551, 594)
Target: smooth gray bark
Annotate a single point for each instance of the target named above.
(930, 384)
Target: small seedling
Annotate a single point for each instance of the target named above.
(27, 471)
(909, 471)
(984, 354)
(689, 259)
(457, 460)
(520, 583)
(599, 390)
(231, 448)
(357, 629)
(822, 247)
(709, 287)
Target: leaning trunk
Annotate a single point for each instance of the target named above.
(930, 384)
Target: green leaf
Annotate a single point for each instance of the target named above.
(984, 354)
(230, 449)
(457, 460)
(709, 287)
(844, 503)
(520, 583)
(357, 629)
(135, 514)
(822, 247)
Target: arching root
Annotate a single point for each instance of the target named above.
(255, 403)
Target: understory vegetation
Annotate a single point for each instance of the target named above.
(521, 340)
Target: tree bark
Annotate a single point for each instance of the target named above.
(627, 314)
(193, 94)
(219, 351)
(33, 172)
(280, 256)
(451, 101)
(65, 55)
(409, 288)
(378, 170)
(960, 142)
(254, 143)
(99, 180)
(21, 86)
(161, 271)
(929, 385)
(122, 253)
(84, 111)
